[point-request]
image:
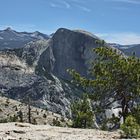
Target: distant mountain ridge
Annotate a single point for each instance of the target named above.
(36, 66)
(129, 50)
(10, 38)
(39, 69)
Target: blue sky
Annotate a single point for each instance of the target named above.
(113, 20)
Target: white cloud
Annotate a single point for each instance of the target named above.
(53, 5)
(67, 5)
(83, 8)
(120, 8)
(79, 4)
(120, 38)
(60, 4)
(78, 1)
(127, 1)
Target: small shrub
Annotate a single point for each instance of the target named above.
(104, 125)
(6, 105)
(16, 109)
(44, 116)
(34, 121)
(82, 114)
(7, 101)
(130, 128)
(5, 120)
(14, 106)
(37, 112)
(13, 118)
(20, 116)
(136, 113)
(1, 110)
(110, 123)
(62, 119)
(56, 122)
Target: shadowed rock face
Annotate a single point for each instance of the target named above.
(72, 49)
(37, 69)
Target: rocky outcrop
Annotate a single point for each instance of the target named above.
(72, 49)
(13, 109)
(39, 70)
(26, 73)
(25, 131)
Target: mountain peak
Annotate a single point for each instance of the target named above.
(36, 32)
(8, 29)
(83, 32)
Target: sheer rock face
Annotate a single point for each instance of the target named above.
(37, 69)
(72, 49)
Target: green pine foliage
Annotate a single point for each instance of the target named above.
(136, 113)
(114, 75)
(117, 76)
(130, 128)
(82, 114)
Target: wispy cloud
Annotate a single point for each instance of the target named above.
(60, 4)
(79, 4)
(53, 5)
(120, 8)
(126, 1)
(79, 1)
(120, 38)
(67, 5)
(83, 8)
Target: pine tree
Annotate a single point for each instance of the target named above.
(29, 110)
(115, 75)
(82, 114)
(20, 115)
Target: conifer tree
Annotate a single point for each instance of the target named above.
(114, 75)
(82, 114)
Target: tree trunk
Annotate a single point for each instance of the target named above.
(85, 123)
(124, 108)
(29, 113)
